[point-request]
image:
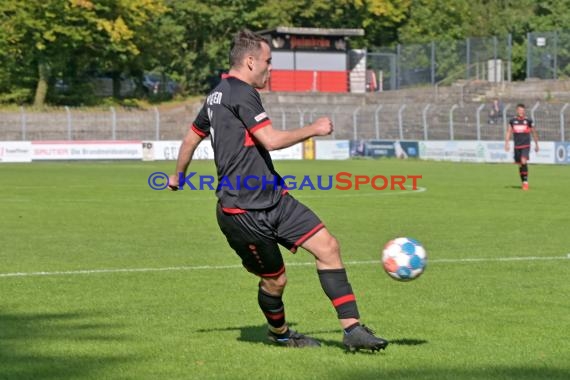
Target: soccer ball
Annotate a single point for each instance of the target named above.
(404, 259)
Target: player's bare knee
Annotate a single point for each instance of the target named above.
(330, 250)
(333, 246)
(274, 285)
(281, 281)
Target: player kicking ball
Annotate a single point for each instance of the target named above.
(521, 127)
(257, 217)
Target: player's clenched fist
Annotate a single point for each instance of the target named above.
(323, 126)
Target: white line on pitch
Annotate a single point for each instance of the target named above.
(303, 194)
(418, 189)
(217, 267)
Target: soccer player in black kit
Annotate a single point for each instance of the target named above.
(521, 128)
(254, 210)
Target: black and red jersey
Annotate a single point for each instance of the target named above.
(247, 179)
(521, 131)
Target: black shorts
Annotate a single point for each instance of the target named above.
(255, 234)
(519, 153)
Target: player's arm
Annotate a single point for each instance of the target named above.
(273, 139)
(189, 145)
(198, 131)
(535, 136)
(250, 110)
(508, 137)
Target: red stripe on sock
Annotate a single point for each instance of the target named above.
(344, 299)
(275, 316)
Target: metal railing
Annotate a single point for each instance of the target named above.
(402, 121)
(424, 121)
(111, 123)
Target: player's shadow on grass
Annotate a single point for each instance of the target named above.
(249, 334)
(513, 187)
(258, 335)
(408, 342)
(56, 345)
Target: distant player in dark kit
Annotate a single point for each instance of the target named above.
(257, 215)
(521, 128)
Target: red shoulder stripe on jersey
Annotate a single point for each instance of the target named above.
(198, 132)
(306, 237)
(259, 126)
(233, 211)
(344, 299)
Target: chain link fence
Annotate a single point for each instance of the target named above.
(548, 55)
(416, 65)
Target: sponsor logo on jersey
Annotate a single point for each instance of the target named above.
(260, 117)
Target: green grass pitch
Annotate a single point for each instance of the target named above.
(103, 278)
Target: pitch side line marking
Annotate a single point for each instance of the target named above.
(217, 267)
(299, 195)
(419, 189)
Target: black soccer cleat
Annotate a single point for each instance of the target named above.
(362, 338)
(293, 339)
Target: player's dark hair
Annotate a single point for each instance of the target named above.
(520, 105)
(245, 42)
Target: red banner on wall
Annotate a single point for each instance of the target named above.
(307, 81)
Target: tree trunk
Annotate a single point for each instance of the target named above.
(41, 89)
(116, 75)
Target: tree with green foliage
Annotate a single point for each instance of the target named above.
(44, 38)
(440, 20)
(69, 42)
(196, 34)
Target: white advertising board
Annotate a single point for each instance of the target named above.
(459, 151)
(168, 150)
(482, 151)
(332, 149)
(294, 152)
(15, 151)
(86, 150)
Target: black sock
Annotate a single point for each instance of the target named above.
(523, 170)
(272, 307)
(351, 327)
(336, 286)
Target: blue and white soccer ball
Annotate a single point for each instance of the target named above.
(404, 259)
